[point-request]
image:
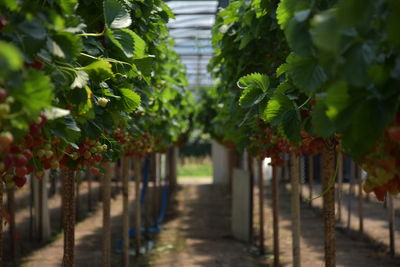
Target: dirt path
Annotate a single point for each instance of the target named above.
(351, 251)
(87, 240)
(375, 216)
(200, 233)
(197, 233)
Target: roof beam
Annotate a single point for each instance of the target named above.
(190, 27)
(179, 13)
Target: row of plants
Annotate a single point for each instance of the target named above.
(84, 83)
(303, 76)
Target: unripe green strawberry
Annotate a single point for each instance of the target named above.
(4, 109)
(102, 101)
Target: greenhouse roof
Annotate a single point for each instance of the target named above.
(191, 30)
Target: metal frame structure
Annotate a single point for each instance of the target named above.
(191, 31)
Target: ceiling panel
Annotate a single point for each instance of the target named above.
(191, 31)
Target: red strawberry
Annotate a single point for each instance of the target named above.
(394, 133)
(21, 171)
(19, 181)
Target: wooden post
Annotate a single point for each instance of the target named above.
(391, 224)
(125, 212)
(328, 158)
(106, 231)
(301, 177)
(1, 221)
(295, 209)
(275, 212)
(39, 211)
(31, 200)
(13, 230)
(310, 177)
(350, 198)
(68, 196)
(261, 204)
(360, 200)
(43, 227)
(251, 173)
(53, 182)
(77, 194)
(340, 185)
(138, 179)
(171, 157)
(89, 181)
(156, 166)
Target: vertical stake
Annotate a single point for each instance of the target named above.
(295, 209)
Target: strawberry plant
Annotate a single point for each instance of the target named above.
(83, 83)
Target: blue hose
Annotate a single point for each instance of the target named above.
(164, 202)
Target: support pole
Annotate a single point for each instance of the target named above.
(68, 200)
(261, 205)
(275, 212)
(350, 198)
(328, 159)
(360, 200)
(125, 212)
(340, 185)
(295, 209)
(138, 179)
(12, 229)
(89, 181)
(1, 222)
(311, 177)
(391, 224)
(251, 173)
(106, 233)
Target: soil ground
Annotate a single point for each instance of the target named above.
(351, 249)
(197, 233)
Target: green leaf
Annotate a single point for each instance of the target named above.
(322, 125)
(36, 92)
(255, 79)
(277, 106)
(54, 48)
(69, 43)
(167, 10)
(251, 96)
(86, 105)
(99, 70)
(10, 4)
(303, 15)
(336, 99)
(282, 69)
(370, 119)
(80, 80)
(298, 37)
(10, 57)
(355, 68)
(33, 28)
(69, 6)
(306, 73)
(355, 12)
(285, 11)
(128, 42)
(55, 113)
(324, 31)
(291, 126)
(393, 21)
(144, 65)
(245, 41)
(71, 124)
(130, 100)
(116, 15)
